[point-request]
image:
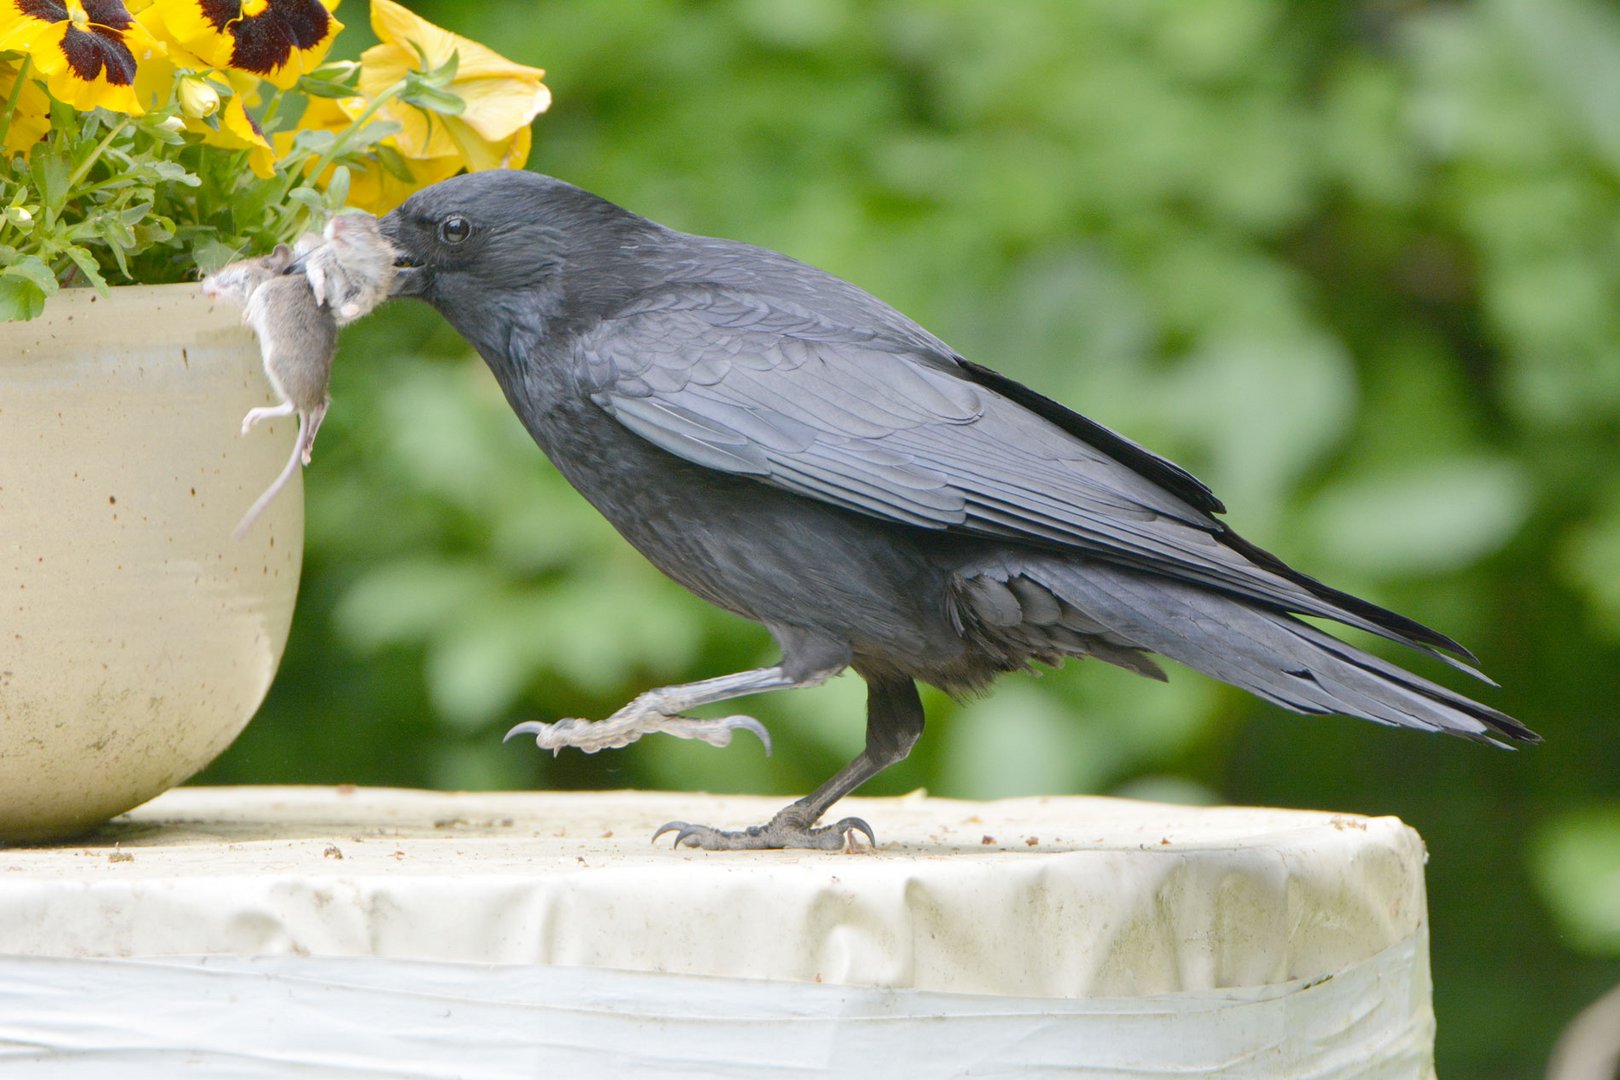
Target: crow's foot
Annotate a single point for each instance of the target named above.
(779, 832)
(629, 724)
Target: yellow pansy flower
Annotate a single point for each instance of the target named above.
(234, 127)
(87, 51)
(229, 125)
(276, 40)
(31, 116)
(502, 97)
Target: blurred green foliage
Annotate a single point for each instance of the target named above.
(1357, 265)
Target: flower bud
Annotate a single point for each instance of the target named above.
(18, 215)
(337, 70)
(172, 123)
(197, 98)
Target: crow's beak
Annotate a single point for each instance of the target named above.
(409, 278)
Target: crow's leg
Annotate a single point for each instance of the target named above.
(658, 710)
(804, 663)
(894, 720)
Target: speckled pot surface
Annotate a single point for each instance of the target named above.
(137, 637)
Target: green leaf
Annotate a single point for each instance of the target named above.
(248, 207)
(20, 298)
(131, 215)
(155, 230)
(118, 237)
(87, 266)
(32, 268)
(173, 172)
(394, 163)
(65, 123)
(49, 168)
(308, 196)
(431, 99)
(337, 189)
(151, 125)
(212, 254)
(324, 88)
(314, 141)
(369, 135)
(441, 76)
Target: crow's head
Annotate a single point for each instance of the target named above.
(480, 238)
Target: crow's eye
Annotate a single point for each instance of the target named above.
(454, 229)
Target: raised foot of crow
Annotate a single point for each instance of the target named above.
(629, 724)
(779, 832)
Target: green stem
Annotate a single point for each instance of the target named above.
(270, 109)
(11, 101)
(106, 141)
(102, 185)
(340, 145)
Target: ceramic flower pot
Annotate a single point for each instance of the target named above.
(137, 637)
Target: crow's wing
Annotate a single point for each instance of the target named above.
(881, 424)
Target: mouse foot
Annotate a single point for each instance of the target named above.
(266, 412)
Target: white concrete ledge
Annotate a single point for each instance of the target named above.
(1064, 936)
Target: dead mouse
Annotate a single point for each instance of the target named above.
(351, 272)
(237, 281)
(297, 339)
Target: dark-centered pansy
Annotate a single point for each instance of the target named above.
(277, 40)
(86, 50)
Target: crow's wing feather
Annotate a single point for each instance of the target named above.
(876, 424)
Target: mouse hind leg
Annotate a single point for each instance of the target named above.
(312, 424)
(287, 473)
(266, 412)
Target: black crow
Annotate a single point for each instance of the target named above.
(797, 452)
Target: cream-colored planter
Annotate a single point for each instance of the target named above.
(136, 636)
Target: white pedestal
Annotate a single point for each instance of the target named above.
(259, 931)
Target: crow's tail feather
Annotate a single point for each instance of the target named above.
(1269, 653)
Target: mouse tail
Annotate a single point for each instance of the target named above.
(276, 485)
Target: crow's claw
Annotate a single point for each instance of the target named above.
(626, 726)
(777, 833)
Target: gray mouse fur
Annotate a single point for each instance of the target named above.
(352, 271)
(297, 339)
